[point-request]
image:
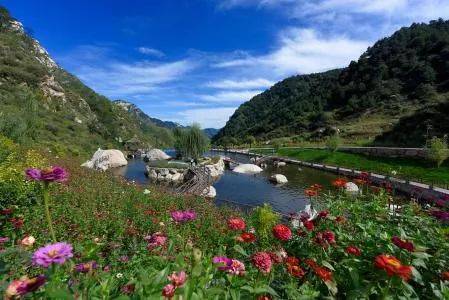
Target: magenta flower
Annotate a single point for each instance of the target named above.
(441, 215)
(183, 216)
(155, 240)
(56, 253)
(4, 240)
(53, 174)
(229, 265)
(86, 267)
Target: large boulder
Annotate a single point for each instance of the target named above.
(105, 159)
(247, 169)
(156, 154)
(209, 192)
(216, 169)
(278, 178)
(351, 188)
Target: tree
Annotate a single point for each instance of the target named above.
(191, 142)
(250, 140)
(333, 142)
(438, 151)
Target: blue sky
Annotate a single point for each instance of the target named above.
(198, 60)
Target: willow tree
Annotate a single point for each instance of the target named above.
(191, 142)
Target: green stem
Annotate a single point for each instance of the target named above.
(47, 211)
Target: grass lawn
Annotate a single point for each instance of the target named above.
(412, 169)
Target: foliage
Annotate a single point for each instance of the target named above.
(438, 151)
(333, 142)
(108, 222)
(191, 142)
(393, 78)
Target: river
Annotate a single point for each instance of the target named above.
(252, 190)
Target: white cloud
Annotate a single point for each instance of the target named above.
(151, 52)
(230, 96)
(241, 84)
(207, 117)
(303, 51)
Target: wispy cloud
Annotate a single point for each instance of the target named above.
(230, 96)
(151, 52)
(207, 117)
(241, 84)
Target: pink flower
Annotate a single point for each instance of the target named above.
(155, 240)
(178, 279)
(169, 291)
(183, 216)
(24, 285)
(53, 174)
(262, 261)
(86, 267)
(229, 265)
(56, 253)
(4, 240)
(28, 241)
(236, 224)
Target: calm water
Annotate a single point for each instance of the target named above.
(252, 190)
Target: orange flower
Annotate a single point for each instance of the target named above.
(295, 271)
(445, 276)
(339, 182)
(311, 192)
(316, 186)
(292, 261)
(324, 273)
(393, 266)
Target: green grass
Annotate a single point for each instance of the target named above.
(412, 169)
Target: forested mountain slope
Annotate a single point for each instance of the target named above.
(371, 99)
(41, 103)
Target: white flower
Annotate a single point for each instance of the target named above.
(161, 224)
(119, 275)
(146, 191)
(394, 172)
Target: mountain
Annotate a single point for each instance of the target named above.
(210, 132)
(43, 104)
(381, 98)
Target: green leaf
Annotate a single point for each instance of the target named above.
(327, 265)
(240, 250)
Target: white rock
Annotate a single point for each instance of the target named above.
(156, 154)
(247, 169)
(209, 192)
(105, 159)
(216, 169)
(351, 188)
(176, 177)
(278, 178)
(280, 163)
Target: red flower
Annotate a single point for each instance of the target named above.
(295, 271)
(445, 276)
(403, 244)
(262, 261)
(6, 211)
(236, 224)
(275, 258)
(323, 214)
(325, 238)
(353, 250)
(282, 232)
(393, 266)
(311, 192)
(324, 273)
(308, 225)
(246, 237)
(292, 261)
(317, 187)
(17, 223)
(339, 182)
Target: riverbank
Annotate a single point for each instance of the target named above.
(418, 170)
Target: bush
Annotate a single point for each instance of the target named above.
(438, 151)
(191, 142)
(333, 142)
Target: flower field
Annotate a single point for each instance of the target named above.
(69, 232)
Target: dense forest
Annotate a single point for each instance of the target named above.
(40, 103)
(398, 88)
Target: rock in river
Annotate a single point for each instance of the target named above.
(105, 159)
(247, 169)
(156, 154)
(278, 178)
(209, 192)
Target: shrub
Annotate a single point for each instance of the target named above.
(333, 142)
(191, 142)
(438, 151)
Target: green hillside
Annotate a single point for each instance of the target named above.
(40, 103)
(373, 99)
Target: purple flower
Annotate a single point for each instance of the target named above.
(229, 265)
(86, 267)
(4, 240)
(53, 174)
(183, 216)
(441, 215)
(56, 253)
